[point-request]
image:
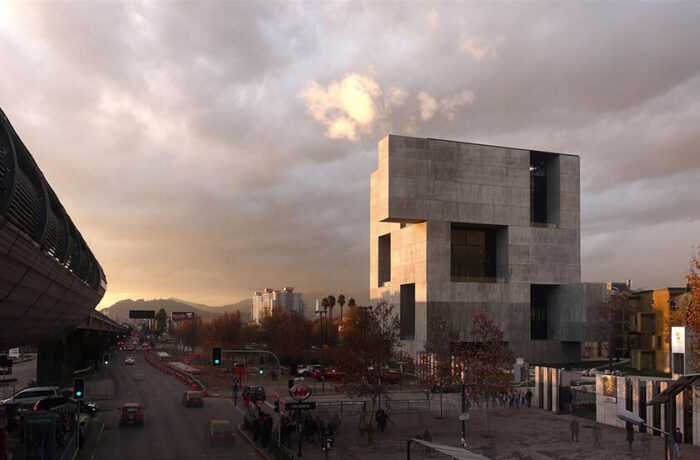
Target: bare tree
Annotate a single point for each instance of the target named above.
(482, 362)
(435, 364)
(610, 319)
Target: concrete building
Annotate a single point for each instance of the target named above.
(265, 301)
(456, 227)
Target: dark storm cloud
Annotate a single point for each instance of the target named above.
(207, 148)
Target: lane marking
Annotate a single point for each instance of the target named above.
(97, 445)
(240, 430)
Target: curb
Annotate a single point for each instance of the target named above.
(240, 430)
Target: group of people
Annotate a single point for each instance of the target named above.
(514, 398)
(262, 429)
(310, 428)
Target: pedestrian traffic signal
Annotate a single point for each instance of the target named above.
(216, 356)
(78, 388)
(105, 359)
(277, 406)
(261, 371)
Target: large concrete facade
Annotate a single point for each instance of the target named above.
(424, 190)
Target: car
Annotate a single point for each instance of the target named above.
(306, 371)
(30, 396)
(52, 402)
(192, 398)
(130, 361)
(220, 430)
(131, 414)
(253, 393)
(328, 373)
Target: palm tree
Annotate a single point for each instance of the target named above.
(341, 302)
(331, 304)
(351, 302)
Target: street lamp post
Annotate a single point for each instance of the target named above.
(323, 379)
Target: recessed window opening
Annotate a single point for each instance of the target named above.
(408, 312)
(538, 312)
(473, 253)
(384, 262)
(544, 189)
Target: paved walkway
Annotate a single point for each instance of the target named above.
(514, 434)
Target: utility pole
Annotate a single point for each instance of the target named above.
(323, 369)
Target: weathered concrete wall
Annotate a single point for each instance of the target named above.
(432, 183)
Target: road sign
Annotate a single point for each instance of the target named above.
(300, 405)
(8, 381)
(39, 421)
(236, 381)
(300, 392)
(259, 403)
(464, 416)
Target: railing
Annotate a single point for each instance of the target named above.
(356, 407)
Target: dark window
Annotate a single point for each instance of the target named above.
(473, 253)
(538, 190)
(384, 262)
(408, 311)
(538, 312)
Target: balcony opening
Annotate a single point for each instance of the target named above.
(408, 312)
(478, 253)
(384, 262)
(538, 312)
(544, 189)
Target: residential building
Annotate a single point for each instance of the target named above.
(458, 227)
(651, 347)
(265, 301)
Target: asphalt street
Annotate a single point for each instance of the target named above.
(23, 372)
(170, 431)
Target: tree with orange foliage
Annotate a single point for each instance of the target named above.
(481, 363)
(286, 335)
(369, 340)
(435, 363)
(190, 333)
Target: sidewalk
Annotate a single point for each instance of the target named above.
(514, 434)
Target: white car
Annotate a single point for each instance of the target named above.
(30, 396)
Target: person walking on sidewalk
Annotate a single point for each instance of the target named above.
(574, 428)
(596, 435)
(630, 436)
(528, 397)
(677, 441)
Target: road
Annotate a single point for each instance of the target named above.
(23, 372)
(171, 431)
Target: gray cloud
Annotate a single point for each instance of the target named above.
(178, 137)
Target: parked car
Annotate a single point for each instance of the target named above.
(130, 361)
(307, 370)
(192, 398)
(52, 402)
(333, 374)
(220, 431)
(131, 414)
(253, 393)
(30, 396)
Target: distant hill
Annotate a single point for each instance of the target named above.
(120, 310)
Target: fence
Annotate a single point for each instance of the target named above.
(356, 407)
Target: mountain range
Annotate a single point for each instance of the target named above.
(120, 310)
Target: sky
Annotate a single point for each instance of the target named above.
(208, 149)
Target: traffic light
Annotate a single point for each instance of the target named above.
(105, 359)
(277, 405)
(78, 388)
(216, 356)
(261, 371)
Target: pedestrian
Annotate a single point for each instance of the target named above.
(677, 441)
(528, 397)
(511, 400)
(574, 428)
(517, 399)
(646, 444)
(319, 427)
(630, 436)
(596, 435)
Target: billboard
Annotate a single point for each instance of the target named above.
(182, 315)
(677, 339)
(142, 314)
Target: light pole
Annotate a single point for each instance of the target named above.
(323, 379)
